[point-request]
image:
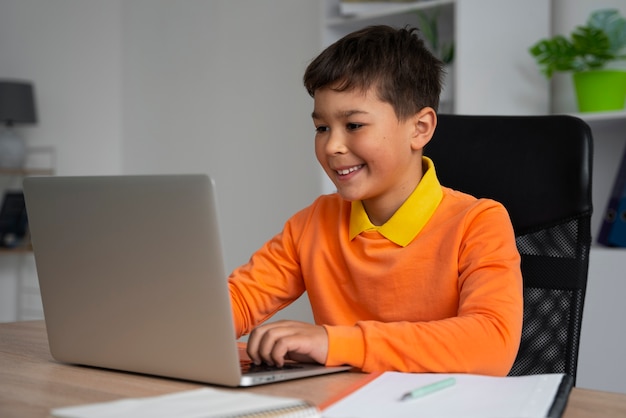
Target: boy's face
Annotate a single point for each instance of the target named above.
(366, 151)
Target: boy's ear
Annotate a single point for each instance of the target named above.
(424, 124)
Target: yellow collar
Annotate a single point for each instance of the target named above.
(410, 218)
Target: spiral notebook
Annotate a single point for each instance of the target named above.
(205, 402)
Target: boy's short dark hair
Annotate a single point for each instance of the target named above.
(394, 61)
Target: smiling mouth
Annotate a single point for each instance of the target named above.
(347, 171)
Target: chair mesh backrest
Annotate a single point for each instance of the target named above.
(552, 312)
(539, 168)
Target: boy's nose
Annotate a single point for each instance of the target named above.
(336, 144)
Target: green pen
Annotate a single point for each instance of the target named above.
(428, 389)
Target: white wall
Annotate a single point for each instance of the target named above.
(155, 86)
(216, 87)
(70, 50)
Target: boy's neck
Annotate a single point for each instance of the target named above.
(380, 211)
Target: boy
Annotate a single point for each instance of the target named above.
(402, 273)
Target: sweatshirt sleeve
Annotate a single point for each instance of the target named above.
(483, 337)
(270, 281)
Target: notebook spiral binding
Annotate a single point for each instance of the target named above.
(300, 410)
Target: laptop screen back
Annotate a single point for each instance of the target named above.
(131, 274)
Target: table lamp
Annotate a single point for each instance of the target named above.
(17, 105)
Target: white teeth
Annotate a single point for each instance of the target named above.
(349, 170)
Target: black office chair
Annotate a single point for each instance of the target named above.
(539, 168)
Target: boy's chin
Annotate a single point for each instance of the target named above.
(350, 197)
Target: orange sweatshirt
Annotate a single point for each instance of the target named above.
(448, 300)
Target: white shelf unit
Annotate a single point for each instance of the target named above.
(602, 344)
(20, 298)
(493, 72)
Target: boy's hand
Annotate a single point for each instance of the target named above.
(276, 342)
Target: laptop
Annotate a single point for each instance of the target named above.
(132, 278)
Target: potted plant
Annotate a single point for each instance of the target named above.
(588, 54)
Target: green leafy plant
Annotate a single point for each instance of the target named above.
(593, 46)
(429, 26)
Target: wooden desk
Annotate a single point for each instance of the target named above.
(31, 382)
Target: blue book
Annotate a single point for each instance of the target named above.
(613, 230)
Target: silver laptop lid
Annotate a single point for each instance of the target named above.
(132, 276)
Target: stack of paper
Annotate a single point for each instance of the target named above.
(471, 396)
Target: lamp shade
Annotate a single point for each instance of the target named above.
(17, 102)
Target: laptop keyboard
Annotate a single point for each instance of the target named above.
(247, 366)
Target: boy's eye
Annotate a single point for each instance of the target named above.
(353, 126)
(321, 129)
